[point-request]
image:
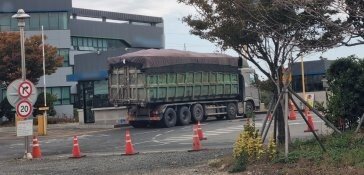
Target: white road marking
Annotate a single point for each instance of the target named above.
(169, 131)
(185, 143)
(217, 132)
(154, 139)
(211, 134)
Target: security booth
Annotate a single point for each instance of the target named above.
(91, 74)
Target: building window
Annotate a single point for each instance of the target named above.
(63, 94)
(65, 54)
(49, 20)
(95, 44)
(312, 83)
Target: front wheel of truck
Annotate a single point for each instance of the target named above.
(231, 111)
(169, 118)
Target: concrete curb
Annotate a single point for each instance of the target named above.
(106, 154)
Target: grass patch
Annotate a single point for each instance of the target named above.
(344, 155)
(343, 150)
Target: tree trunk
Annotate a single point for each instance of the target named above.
(279, 113)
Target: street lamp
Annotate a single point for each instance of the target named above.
(21, 16)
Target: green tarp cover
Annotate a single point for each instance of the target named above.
(153, 58)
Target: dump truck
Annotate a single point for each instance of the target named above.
(171, 87)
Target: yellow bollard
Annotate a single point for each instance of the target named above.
(42, 125)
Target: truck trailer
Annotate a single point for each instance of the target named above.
(172, 87)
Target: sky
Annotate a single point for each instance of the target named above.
(177, 33)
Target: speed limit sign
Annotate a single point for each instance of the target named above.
(24, 109)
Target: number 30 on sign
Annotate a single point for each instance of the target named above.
(24, 109)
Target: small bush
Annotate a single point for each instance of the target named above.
(249, 148)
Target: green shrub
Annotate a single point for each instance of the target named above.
(50, 103)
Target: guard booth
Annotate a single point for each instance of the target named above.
(91, 102)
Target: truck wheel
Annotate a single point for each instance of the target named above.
(184, 116)
(169, 118)
(138, 124)
(197, 112)
(231, 111)
(249, 108)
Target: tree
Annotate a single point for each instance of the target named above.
(260, 31)
(346, 80)
(346, 17)
(10, 59)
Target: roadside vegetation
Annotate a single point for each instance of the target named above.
(344, 152)
(344, 155)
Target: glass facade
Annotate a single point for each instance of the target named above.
(63, 94)
(313, 83)
(65, 54)
(49, 20)
(95, 44)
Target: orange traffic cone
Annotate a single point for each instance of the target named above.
(76, 153)
(196, 145)
(36, 152)
(129, 148)
(200, 132)
(310, 122)
(292, 115)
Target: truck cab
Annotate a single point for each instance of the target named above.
(252, 98)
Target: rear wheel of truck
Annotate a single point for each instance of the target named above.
(169, 118)
(138, 124)
(184, 116)
(231, 110)
(197, 112)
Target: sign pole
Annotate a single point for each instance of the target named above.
(21, 16)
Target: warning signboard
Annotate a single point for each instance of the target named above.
(24, 109)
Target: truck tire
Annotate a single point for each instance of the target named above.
(169, 118)
(232, 111)
(184, 116)
(197, 112)
(138, 124)
(249, 107)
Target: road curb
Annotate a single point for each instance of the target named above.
(95, 155)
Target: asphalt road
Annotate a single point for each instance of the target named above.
(219, 133)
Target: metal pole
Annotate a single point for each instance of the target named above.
(303, 78)
(267, 116)
(273, 117)
(23, 77)
(44, 88)
(360, 123)
(311, 129)
(286, 122)
(44, 79)
(21, 16)
(315, 111)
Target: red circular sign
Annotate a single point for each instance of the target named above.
(25, 89)
(24, 109)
